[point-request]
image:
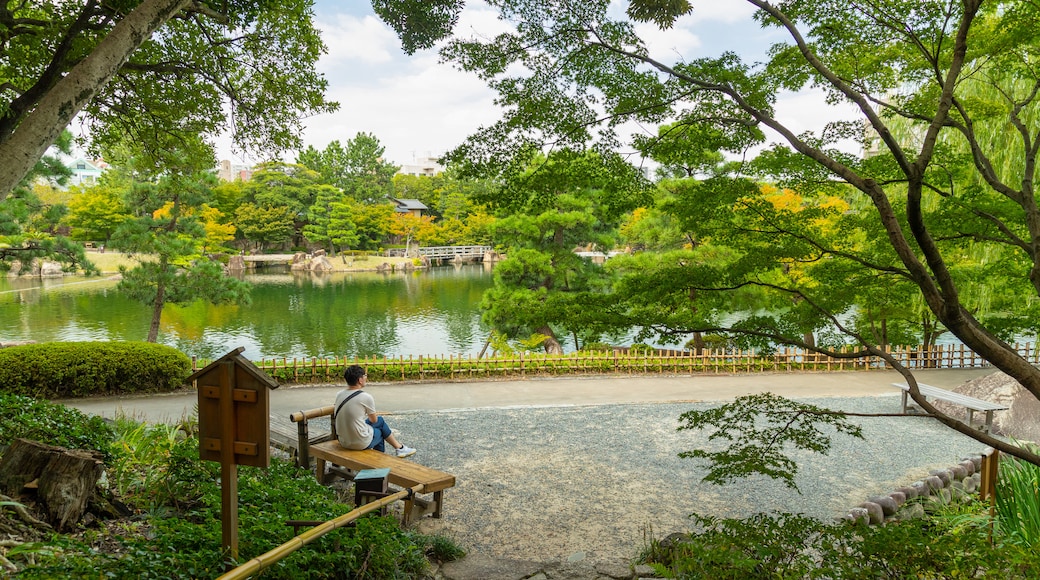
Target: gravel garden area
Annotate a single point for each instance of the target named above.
(596, 482)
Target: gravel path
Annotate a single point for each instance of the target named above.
(546, 483)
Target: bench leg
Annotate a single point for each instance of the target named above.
(319, 470)
(971, 417)
(438, 497)
(406, 516)
(904, 402)
(989, 421)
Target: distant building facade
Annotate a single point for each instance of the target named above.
(234, 171)
(85, 172)
(412, 206)
(427, 166)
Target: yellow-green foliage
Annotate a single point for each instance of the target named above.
(54, 370)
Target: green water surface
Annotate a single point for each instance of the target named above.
(299, 315)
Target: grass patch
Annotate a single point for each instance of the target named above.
(110, 261)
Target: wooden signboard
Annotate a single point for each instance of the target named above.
(234, 404)
(234, 427)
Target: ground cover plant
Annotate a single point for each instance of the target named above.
(954, 541)
(1018, 501)
(172, 504)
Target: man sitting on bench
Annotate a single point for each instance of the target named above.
(357, 424)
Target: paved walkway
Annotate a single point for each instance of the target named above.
(546, 392)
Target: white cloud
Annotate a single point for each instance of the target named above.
(415, 105)
(418, 106)
(352, 39)
(478, 19)
(808, 111)
(725, 11)
(422, 108)
(675, 44)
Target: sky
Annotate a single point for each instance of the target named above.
(419, 107)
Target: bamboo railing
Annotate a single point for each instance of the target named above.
(451, 367)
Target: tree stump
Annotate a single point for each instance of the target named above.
(65, 479)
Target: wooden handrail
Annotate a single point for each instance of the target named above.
(303, 436)
(311, 413)
(272, 557)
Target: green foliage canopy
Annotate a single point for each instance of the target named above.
(928, 205)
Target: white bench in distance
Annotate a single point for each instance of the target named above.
(971, 403)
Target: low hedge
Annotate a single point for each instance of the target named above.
(56, 370)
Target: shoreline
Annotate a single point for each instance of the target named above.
(108, 264)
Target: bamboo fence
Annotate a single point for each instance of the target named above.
(451, 367)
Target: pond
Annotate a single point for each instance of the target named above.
(292, 315)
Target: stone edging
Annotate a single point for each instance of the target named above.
(944, 485)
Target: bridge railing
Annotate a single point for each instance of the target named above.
(439, 252)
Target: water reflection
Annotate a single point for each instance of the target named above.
(292, 315)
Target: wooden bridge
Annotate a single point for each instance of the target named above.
(283, 258)
(446, 252)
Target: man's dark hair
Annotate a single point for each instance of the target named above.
(353, 374)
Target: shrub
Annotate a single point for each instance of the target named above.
(945, 545)
(712, 342)
(442, 549)
(28, 418)
(54, 370)
(1017, 501)
(596, 347)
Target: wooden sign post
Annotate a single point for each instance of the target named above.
(234, 428)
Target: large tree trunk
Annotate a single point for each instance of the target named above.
(552, 344)
(65, 479)
(40, 128)
(698, 343)
(157, 308)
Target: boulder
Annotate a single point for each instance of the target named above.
(50, 269)
(1022, 419)
(888, 505)
(911, 511)
(922, 489)
(236, 263)
(875, 513)
(859, 515)
(943, 474)
(934, 483)
(969, 466)
(898, 497)
(909, 492)
(320, 264)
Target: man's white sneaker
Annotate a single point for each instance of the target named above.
(404, 451)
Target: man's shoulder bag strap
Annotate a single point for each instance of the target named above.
(344, 402)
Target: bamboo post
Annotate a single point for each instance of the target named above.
(989, 470)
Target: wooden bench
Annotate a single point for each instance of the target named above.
(403, 473)
(971, 403)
